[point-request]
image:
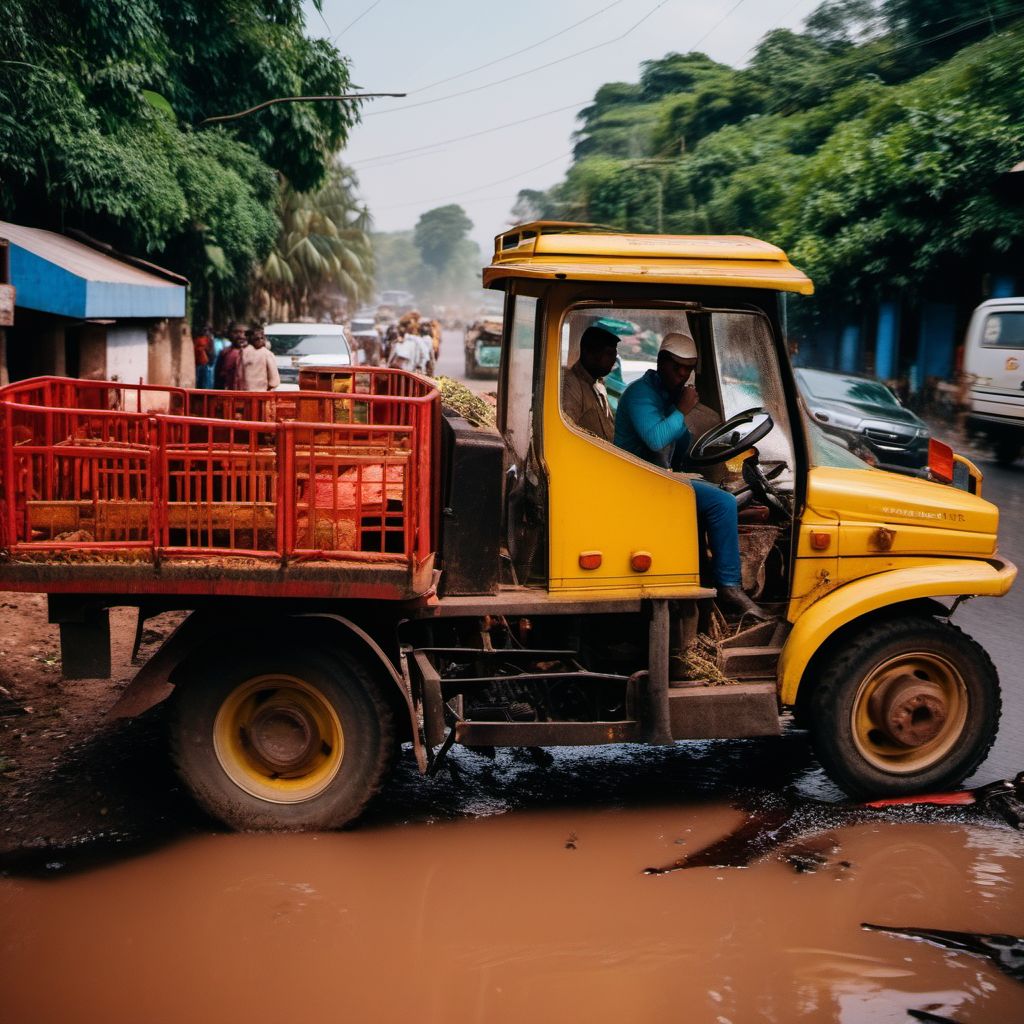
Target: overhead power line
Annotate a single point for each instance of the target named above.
(472, 135)
(518, 53)
(478, 188)
(530, 71)
(721, 21)
(357, 18)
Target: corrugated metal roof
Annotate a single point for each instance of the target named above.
(56, 274)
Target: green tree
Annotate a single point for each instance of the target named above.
(323, 251)
(439, 234)
(100, 105)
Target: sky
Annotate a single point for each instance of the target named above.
(483, 116)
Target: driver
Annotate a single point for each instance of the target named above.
(650, 424)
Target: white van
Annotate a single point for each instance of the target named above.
(994, 372)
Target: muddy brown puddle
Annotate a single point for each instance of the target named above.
(531, 916)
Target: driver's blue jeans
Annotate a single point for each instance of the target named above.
(717, 513)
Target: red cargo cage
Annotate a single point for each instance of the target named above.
(296, 490)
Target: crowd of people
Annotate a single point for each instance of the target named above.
(238, 359)
(412, 346)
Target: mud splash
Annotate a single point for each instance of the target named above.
(507, 919)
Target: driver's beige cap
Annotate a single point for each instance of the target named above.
(679, 345)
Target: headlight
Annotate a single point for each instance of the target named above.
(837, 419)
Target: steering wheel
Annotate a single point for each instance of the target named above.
(727, 440)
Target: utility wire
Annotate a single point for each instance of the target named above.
(530, 71)
(725, 17)
(518, 53)
(357, 18)
(473, 135)
(478, 188)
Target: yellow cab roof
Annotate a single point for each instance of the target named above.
(590, 252)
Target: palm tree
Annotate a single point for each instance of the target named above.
(323, 251)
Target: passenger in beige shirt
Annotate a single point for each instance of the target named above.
(259, 367)
(584, 399)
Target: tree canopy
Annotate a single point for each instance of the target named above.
(872, 153)
(100, 111)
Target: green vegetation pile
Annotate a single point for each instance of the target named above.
(465, 403)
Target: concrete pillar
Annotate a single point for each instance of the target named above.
(92, 352)
(849, 348)
(1003, 286)
(183, 362)
(886, 340)
(48, 354)
(160, 370)
(936, 341)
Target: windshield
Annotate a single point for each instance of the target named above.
(306, 344)
(837, 388)
(736, 372)
(827, 450)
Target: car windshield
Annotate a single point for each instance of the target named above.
(306, 344)
(838, 388)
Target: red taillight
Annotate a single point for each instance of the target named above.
(590, 559)
(940, 461)
(640, 561)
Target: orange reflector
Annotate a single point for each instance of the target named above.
(940, 461)
(590, 559)
(821, 541)
(640, 561)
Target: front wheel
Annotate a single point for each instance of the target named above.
(906, 706)
(282, 742)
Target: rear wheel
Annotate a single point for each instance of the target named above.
(471, 368)
(283, 742)
(906, 706)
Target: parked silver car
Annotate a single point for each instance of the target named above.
(298, 345)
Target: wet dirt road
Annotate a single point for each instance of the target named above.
(514, 889)
(515, 918)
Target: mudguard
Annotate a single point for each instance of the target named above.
(953, 578)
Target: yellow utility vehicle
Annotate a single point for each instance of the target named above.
(537, 586)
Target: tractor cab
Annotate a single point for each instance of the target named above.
(586, 518)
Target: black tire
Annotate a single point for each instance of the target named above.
(920, 666)
(332, 708)
(470, 367)
(1007, 450)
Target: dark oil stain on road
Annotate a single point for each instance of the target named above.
(502, 919)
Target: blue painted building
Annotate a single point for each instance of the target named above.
(83, 312)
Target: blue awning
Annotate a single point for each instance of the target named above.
(56, 274)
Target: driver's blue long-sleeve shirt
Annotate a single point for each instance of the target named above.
(647, 422)
(648, 425)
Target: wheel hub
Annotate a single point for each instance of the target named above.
(910, 711)
(283, 737)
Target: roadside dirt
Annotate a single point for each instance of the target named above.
(67, 774)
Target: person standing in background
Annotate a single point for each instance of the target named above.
(202, 345)
(228, 374)
(259, 367)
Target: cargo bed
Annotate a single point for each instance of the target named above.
(131, 489)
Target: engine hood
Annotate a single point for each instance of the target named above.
(877, 497)
(896, 414)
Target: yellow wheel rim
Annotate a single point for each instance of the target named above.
(909, 712)
(279, 739)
